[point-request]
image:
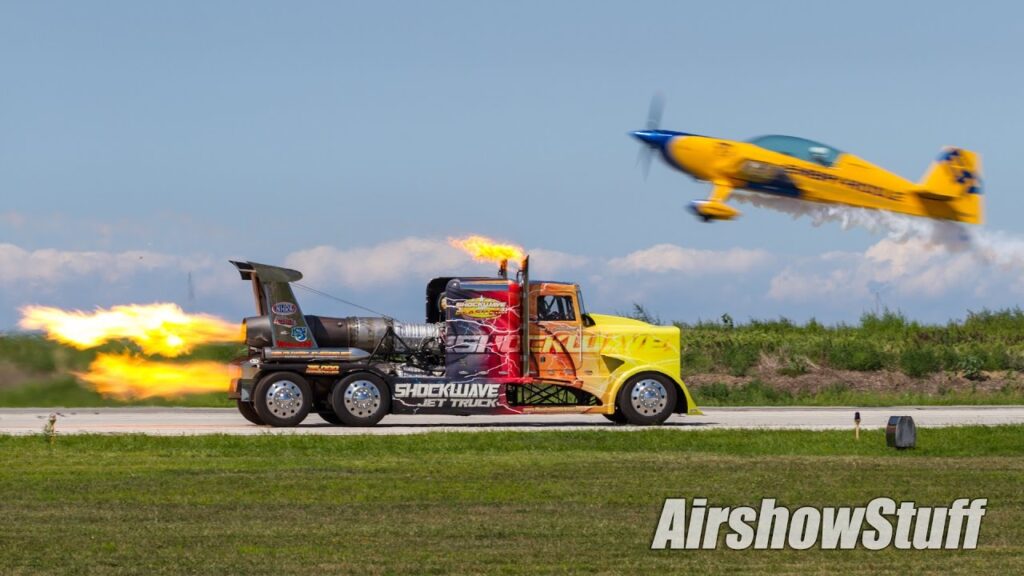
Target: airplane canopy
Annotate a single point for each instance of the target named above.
(802, 148)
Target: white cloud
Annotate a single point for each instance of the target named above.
(915, 268)
(393, 261)
(547, 264)
(377, 265)
(663, 258)
(19, 266)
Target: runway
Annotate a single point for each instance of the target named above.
(192, 421)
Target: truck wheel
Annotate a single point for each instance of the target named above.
(282, 399)
(617, 417)
(330, 417)
(249, 413)
(361, 399)
(647, 399)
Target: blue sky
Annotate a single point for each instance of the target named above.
(141, 141)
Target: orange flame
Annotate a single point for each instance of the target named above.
(484, 249)
(163, 329)
(126, 376)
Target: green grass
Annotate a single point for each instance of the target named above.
(476, 503)
(758, 393)
(986, 340)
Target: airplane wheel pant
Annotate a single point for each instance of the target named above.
(282, 399)
(658, 394)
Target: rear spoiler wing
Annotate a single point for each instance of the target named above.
(266, 272)
(272, 290)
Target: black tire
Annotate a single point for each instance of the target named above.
(617, 417)
(361, 399)
(283, 399)
(647, 399)
(330, 417)
(249, 413)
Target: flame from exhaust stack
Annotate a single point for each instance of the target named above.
(484, 249)
(163, 329)
(127, 377)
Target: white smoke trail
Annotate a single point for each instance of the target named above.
(952, 236)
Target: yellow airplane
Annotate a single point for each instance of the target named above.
(807, 170)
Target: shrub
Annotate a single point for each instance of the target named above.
(739, 359)
(857, 355)
(971, 367)
(795, 366)
(918, 361)
(716, 392)
(695, 361)
(28, 352)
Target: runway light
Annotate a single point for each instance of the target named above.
(900, 432)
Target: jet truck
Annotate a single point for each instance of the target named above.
(489, 345)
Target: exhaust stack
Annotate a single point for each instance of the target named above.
(524, 295)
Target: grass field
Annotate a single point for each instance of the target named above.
(476, 503)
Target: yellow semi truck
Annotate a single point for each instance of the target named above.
(467, 358)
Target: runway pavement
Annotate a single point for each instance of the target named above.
(189, 421)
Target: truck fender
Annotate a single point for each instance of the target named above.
(684, 401)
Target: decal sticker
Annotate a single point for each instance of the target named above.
(285, 308)
(300, 334)
(323, 369)
(284, 321)
(294, 344)
(556, 343)
(471, 395)
(480, 307)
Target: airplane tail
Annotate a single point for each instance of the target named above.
(955, 176)
(954, 173)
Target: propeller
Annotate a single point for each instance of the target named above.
(654, 112)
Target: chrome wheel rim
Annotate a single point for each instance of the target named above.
(362, 398)
(649, 397)
(284, 398)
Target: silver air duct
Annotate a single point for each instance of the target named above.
(367, 333)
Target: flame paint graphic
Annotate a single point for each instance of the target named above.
(163, 329)
(126, 376)
(484, 249)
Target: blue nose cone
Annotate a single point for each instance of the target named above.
(655, 138)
